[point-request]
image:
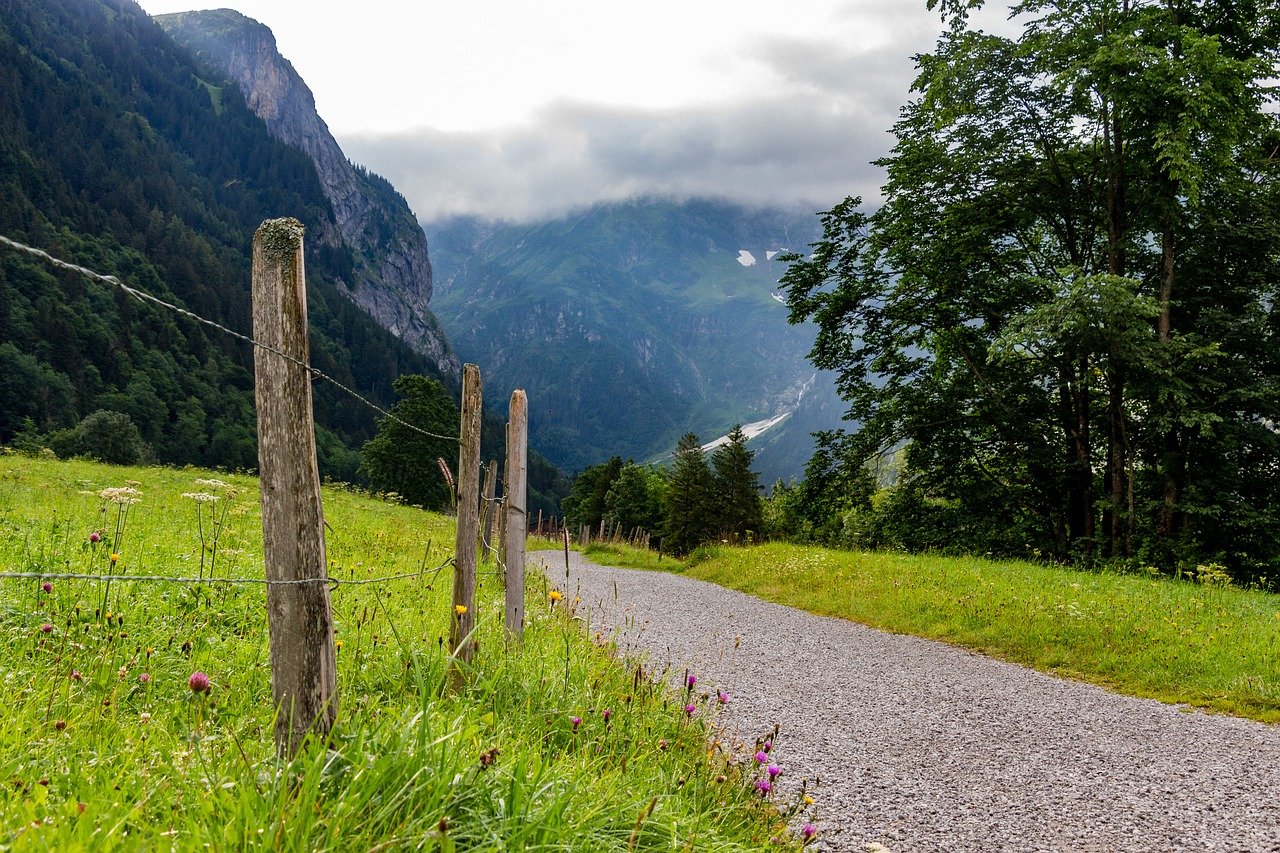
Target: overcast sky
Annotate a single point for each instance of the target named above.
(514, 109)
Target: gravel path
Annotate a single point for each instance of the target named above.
(923, 746)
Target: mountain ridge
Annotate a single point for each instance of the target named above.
(392, 270)
(638, 321)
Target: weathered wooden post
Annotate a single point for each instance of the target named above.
(487, 509)
(299, 620)
(462, 620)
(517, 517)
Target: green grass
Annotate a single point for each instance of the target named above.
(93, 756)
(1166, 639)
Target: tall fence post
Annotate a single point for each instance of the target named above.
(299, 619)
(487, 511)
(462, 619)
(517, 516)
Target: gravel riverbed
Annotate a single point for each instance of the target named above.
(923, 746)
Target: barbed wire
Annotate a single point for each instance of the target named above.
(143, 296)
(330, 581)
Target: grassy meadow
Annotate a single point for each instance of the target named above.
(105, 745)
(1201, 644)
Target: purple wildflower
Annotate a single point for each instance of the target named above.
(808, 831)
(95, 536)
(198, 682)
(606, 713)
(577, 721)
(46, 628)
(145, 678)
(762, 757)
(690, 680)
(774, 770)
(76, 676)
(722, 697)
(763, 786)
(690, 709)
(46, 586)
(768, 746)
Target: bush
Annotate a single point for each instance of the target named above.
(105, 436)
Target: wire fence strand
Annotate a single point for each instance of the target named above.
(143, 296)
(122, 578)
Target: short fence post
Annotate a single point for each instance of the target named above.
(487, 510)
(517, 518)
(299, 619)
(462, 620)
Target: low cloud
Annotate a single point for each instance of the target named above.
(807, 141)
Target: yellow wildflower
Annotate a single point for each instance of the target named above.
(459, 609)
(115, 558)
(555, 595)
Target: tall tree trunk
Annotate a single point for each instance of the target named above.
(1172, 465)
(1116, 482)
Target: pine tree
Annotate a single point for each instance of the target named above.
(737, 487)
(689, 519)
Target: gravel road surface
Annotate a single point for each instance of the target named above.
(923, 746)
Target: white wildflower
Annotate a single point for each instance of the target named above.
(123, 495)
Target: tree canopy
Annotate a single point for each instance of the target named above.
(1065, 307)
(402, 459)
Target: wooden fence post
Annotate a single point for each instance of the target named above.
(462, 618)
(487, 510)
(517, 517)
(299, 619)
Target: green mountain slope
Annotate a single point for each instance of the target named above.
(629, 323)
(116, 154)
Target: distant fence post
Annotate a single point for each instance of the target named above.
(462, 620)
(487, 511)
(299, 619)
(517, 517)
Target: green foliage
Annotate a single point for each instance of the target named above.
(690, 517)
(107, 437)
(737, 488)
(585, 503)
(401, 459)
(1065, 308)
(635, 497)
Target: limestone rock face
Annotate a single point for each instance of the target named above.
(392, 270)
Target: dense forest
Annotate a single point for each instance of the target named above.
(117, 155)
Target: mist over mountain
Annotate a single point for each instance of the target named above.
(630, 323)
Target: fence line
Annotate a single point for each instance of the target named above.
(143, 296)
(125, 578)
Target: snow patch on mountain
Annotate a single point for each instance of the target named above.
(746, 258)
(750, 430)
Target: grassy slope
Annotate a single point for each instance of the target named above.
(1165, 639)
(107, 760)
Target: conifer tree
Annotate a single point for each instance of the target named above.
(689, 519)
(403, 460)
(737, 487)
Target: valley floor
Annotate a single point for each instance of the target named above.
(917, 745)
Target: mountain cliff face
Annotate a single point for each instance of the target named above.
(392, 271)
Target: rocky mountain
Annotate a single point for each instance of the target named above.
(631, 323)
(120, 152)
(392, 274)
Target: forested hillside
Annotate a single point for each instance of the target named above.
(630, 323)
(115, 154)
